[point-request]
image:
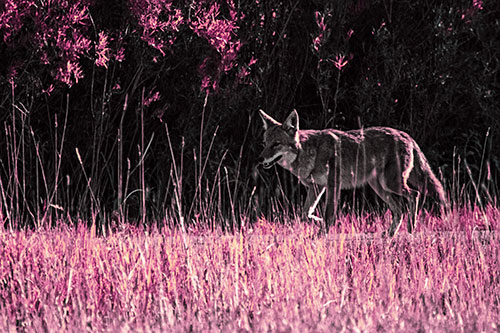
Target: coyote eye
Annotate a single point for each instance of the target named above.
(275, 145)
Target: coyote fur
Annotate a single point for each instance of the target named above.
(387, 159)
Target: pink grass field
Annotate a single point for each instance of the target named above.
(270, 276)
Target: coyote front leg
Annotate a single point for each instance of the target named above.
(311, 203)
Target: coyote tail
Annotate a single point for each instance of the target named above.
(433, 187)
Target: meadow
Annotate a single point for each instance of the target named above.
(130, 199)
(269, 276)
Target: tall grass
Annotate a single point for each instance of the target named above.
(268, 276)
(182, 270)
(219, 198)
(35, 193)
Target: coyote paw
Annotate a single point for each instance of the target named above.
(315, 218)
(310, 215)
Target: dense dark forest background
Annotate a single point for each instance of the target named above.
(146, 110)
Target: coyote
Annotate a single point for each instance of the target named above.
(387, 159)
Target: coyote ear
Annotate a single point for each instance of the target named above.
(268, 120)
(292, 122)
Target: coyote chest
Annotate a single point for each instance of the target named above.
(310, 164)
(348, 153)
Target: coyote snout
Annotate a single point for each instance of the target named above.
(268, 162)
(386, 159)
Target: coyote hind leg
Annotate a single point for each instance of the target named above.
(332, 201)
(393, 198)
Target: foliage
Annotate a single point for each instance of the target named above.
(88, 88)
(131, 134)
(268, 276)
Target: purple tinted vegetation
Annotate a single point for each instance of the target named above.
(61, 34)
(267, 277)
(57, 32)
(159, 22)
(220, 33)
(81, 169)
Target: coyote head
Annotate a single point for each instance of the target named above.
(280, 140)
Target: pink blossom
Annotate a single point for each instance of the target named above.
(219, 34)
(317, 42)
(320, 21)
(205, 83)
(468, 13)
(477, 4)
(175, 20)
(58, 33)
(78, 15)
(102, 50)
(44, 58)
(232, 10)
(10, 19)
(243, 72)
(158, 20)
(120, 54)
(152, 97)
(208, 84)
(49, 90)
(252, 61)
(70, 73)
(320, 38)
(339, 62)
